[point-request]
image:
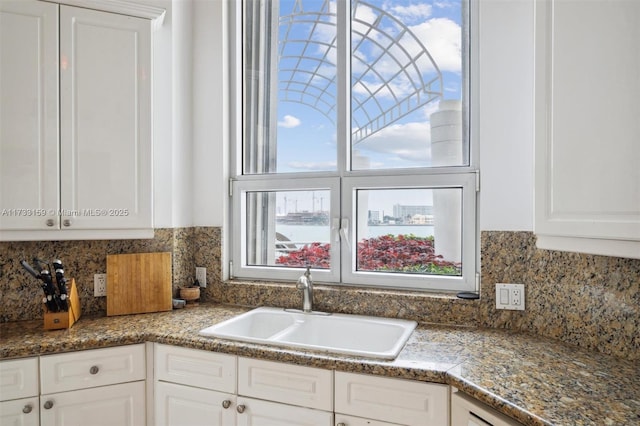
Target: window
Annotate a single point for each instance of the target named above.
(355, 157)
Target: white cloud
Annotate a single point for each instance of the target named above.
(289, 122)
(443, 39)
(410, 141)
(413, 11)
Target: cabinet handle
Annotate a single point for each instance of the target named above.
(94, 369)
(50, 222)
(66, 222)
(240, 408)
(226, 403)
(27, 408)
(48, 405)
(341, 424)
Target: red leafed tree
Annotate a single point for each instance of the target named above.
(389, 253)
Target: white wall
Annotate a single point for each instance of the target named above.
(505, 114)
(210, 114)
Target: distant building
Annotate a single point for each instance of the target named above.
(421, 219)
(374, 217)
(407, 212)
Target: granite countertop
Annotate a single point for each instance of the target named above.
(535, 380)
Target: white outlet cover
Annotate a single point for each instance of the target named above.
(99, 285)
(510, 297)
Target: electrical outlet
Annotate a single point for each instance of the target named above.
(201, 276)
(99, 285)
(510, 296)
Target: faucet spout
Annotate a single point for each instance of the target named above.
(305, 283)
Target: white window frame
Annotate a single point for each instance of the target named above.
(465, 182)
(342, 185)
(240, 188)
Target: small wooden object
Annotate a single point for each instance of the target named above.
(190, 295)
(62, 320)
(139, 283)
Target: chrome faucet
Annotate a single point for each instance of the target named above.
(306, 285)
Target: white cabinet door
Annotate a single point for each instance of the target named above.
(105, 89)
(178, 405)
(122, 405)
(20, 412)
(29, 174)
(587, 180)
(254, 412)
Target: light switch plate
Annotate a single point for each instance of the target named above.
(510, 296)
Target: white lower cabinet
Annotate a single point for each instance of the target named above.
(395, 401)
(19, 400)
(197, 388)
(194, 387)
(122, 405)
(101, 387)
(467, 411)
(20, 412)
(185, 405)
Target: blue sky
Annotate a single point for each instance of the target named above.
(307, 137)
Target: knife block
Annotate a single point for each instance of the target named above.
(62, 320)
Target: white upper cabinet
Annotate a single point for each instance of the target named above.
(105, 89)
(29, 118)
(95, 180)
(587, 88)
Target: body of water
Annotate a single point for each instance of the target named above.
(306, 233)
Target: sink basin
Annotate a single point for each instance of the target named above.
(357, 335)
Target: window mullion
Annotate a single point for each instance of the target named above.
(343, 77)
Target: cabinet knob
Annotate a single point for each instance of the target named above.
(66, 222)
(226, 403)
(48, 405)
(27, 408)
(50, 222)
(240, 408)
(94, 369)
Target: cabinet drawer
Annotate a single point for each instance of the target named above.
(87, 369)
(23, 412)
(392, 400)
(18, 378)
(192, 367)
(291, 384)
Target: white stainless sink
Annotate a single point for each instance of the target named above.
(340, 333)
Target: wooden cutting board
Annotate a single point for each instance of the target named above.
(138, 283)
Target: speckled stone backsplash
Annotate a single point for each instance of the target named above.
(21, 293)
(589, 301)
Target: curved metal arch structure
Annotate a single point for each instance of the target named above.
(393, 73)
